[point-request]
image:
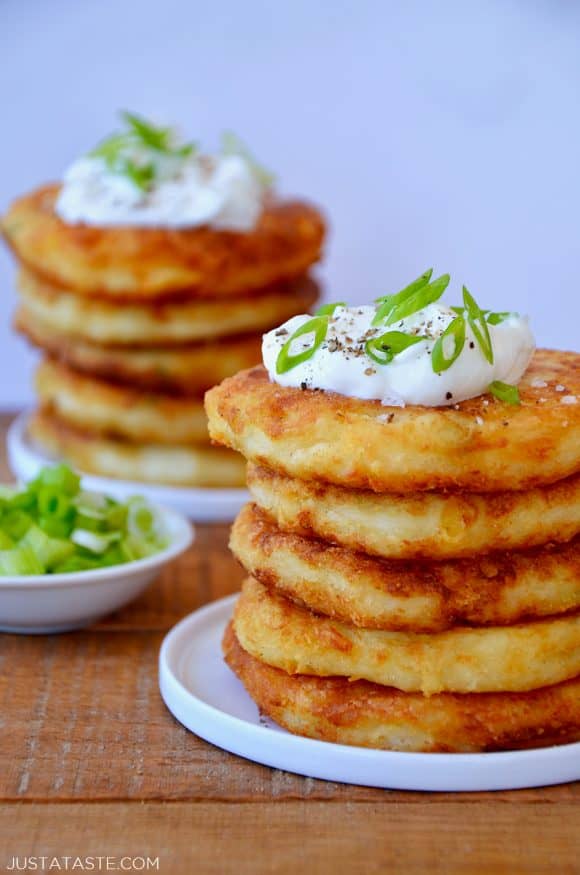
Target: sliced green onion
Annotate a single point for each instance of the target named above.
(110, 148)
(118, 150)
(20, 560)
(58, 477)
(51, 526)
(490, 318)
(455, 331)
(92, 541)
(504, 392)
(401, 307)
(498, 318)
(15, 522)
(478, 325)
(385, 347)
(286, 361)
(328, 309)
(48, 551)
(149, 134)
(6, 542)
(141, 175)
(408, 290)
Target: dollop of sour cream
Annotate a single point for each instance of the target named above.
(223, 192)
(340, 364)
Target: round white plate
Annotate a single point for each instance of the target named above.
(203, 694)
(200, 505)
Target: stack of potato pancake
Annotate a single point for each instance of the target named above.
(415, 572)
(136, 323)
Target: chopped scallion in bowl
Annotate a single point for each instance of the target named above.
(53, 526)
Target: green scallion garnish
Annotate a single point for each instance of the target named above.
(119, 150)
(504, 392)
(408, 290)
(328, 309)
(497, 318)
(286, 360)
(410, 301)
(478, 325)
(53, 526)
(453, 334)
(384, 348)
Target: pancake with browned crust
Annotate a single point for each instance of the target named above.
(189, 369)
(51, 309)
(197, 465)
(152, 263)
(407, 596)
(119, 411)
(515, 658)
(425, 525)
(481, 445)
(368, 715)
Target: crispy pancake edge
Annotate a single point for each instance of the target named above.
(189, 370)
(484, 445)
(189, 466)
(117, 411)
(141, 324)
(514, 658)
(422, 525)
(367, 715)
(154, 262)
(414, 596)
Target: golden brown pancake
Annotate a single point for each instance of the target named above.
(188, 369)
(118, 411)
(422, 525)
(368, 715)
(197, 465)
(407, 596)
(462, 660)
(484, 445)
(119, 262)
(53, 310)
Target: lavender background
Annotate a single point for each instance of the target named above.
(442, 133)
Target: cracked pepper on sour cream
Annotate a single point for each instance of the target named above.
(342, 364)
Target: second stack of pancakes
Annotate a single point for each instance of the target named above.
(136, 323)
(410, 618)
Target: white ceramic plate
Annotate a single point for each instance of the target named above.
(200, 505)
(41, 604)
(203, 694)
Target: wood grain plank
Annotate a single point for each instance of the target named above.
(82, 718)
(315, 837)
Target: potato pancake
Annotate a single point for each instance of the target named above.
(421, 525)
(462, 660)
(191, 466)
(407, 595)
(118, 411)
(368, 715)
(143, 324)
(188, 369)
(481, 445)
(118, 262)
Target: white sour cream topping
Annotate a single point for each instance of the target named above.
(223, 192)
(341, 365)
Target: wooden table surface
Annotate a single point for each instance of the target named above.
(92, 764)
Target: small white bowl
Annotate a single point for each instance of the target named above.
(41, 604)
